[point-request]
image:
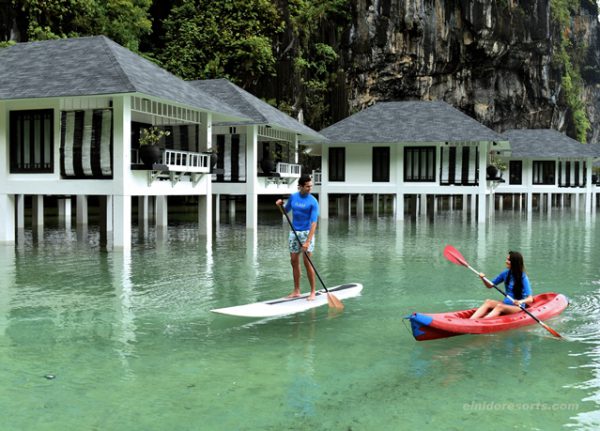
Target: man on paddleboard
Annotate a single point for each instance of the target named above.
(305, 210)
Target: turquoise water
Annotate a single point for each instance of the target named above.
(91, 340)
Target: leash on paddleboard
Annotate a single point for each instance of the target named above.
(454, 256)
(332, 300)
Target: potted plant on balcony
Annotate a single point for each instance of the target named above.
(149, 148)
(496, 167)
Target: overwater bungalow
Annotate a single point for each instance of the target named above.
(71, 113)
(258, 156)
(409, 154)
(549, 168)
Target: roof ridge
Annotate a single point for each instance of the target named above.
(114, 61)
(243, 93)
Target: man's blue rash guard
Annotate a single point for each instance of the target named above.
(510, 288)
(305, 210)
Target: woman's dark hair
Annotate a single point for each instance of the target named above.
(517, 268)
(304, 179)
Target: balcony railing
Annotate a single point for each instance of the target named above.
(317, 177)
(186, 161)
(288, 170)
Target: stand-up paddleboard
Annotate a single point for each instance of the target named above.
(283, 306)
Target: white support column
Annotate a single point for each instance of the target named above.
(118, 218)
(205, 215)
(7, 215)
(376, 205)
(577, 196)
(323, 196)
(588, 187)
(64, 212)
(423, 204)
(399, 206)
(529, 202)
(81, 212)
(520, 202)
(37, 210)
(110, 214)
(482, 210)
(323, 205)
(360, 205)
(143, 212)
(231, 207)
(252, 177)
(118, 205)
(162, 211)
(549, 202)
(20, 207)
(217, 209)
(349, 208)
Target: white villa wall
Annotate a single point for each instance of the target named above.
(358, 176)
(125, 183)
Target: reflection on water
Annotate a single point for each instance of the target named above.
(126, 333)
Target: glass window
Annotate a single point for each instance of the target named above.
(419, 164)
(544, 172)
(337, 164)
(381, 164)
(32, 141)
(515, 172)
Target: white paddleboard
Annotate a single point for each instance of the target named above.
(283, 306)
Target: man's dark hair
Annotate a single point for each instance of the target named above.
(304, 179)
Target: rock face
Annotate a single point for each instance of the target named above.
(493, 59)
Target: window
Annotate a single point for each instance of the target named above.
(32, 141)
(458, 165)
(337, 164)
(86, 144)
(381, 164)
(419, 164)
(572, 174)
(544, 172)
(515, 172)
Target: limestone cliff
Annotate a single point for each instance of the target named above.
(497, 60)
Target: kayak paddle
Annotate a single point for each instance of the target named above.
(454, 256)
(332, 300)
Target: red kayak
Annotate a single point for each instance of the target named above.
(443, 325)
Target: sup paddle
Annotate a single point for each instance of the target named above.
(454, 256)
(332, 300)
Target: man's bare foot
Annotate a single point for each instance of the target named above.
(311, 297)
(294, 294)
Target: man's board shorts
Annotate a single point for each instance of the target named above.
(303, 235)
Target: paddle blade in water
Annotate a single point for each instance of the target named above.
(334, 302)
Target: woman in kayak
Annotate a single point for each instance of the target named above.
(517, 287)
